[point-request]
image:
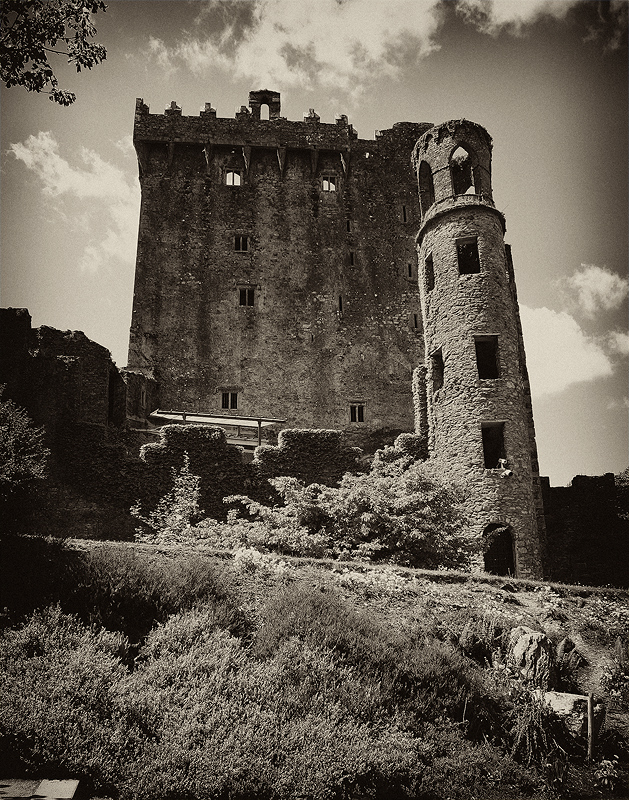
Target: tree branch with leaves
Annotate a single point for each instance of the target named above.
(33, 30)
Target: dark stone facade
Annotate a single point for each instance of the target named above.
(276, 261)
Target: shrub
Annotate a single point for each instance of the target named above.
(420, 679)
(23, 462)
(171, 521)
(57, 692)
(128, 591)
(397, 512)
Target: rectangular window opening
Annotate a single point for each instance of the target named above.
(351, 258)
(229, 400)
(410, 270)
(340, 304)
(437, 369)
(493, 443)
(241, 244)
(247, 297)
(233, 177)
(487, 357)
(404, 217)
(328, 183)
(349, 226)
(429, 273)
(467, 255)
(415, 321)
(357, 413)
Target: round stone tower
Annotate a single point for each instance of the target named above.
(480, 424)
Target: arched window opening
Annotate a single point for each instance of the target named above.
(264, 111)
(426, 187)
(462, 173)
(498, 549)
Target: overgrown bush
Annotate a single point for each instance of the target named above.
(113, 585)
(23, 462)
(58, 696)
(128, 591)
(171, 520)
(397, 512)
(201, 717)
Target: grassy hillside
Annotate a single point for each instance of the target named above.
(152, 672)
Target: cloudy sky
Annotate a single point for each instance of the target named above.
(547, 78)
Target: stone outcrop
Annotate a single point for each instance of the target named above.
(531, 656)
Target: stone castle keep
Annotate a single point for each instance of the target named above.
(313, 292)
(290, 270)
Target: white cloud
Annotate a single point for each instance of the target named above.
(344, 44)
(597, 288)
(110, 197)
(559, 353)
(492, 16)
(327, 42)
(618, 342)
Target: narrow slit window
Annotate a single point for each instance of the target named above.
(357, 413)
(467, 255)
(437, 369)
(415, 321)
(328, 183)
(351, 258)
(410, 270)
(349, 226)
(340, 304)
(404, 215)
(233, 177)
(241, 244)
(493, 443)
(429, 273)
(247, 297)
(487, 357)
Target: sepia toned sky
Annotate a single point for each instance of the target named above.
(547, 78)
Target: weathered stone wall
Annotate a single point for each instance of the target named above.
(588, 538)
(335, 319)
(457, 307)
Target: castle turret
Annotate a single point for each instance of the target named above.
(480, 424)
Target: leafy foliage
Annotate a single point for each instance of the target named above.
(171, 521)
(23, 455)
(201, 715)
(32, 30)
(398, 512)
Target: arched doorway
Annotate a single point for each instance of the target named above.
(498, 549)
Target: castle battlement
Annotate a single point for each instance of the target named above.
(247, 128)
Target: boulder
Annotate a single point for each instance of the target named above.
(530, 655)
(573, 710)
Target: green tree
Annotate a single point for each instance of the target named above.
(32, 30)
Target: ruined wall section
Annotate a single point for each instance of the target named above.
(333, 318)
(588, 540)
(467, 297)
